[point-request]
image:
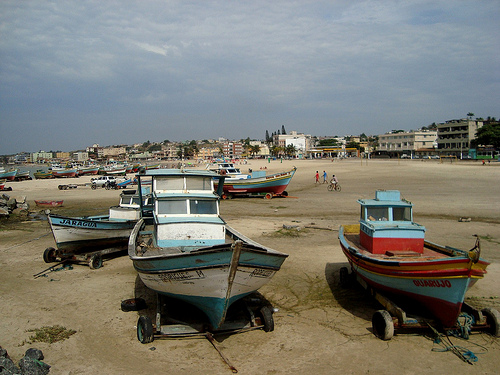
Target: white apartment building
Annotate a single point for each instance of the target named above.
(407, 143)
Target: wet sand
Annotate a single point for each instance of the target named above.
(319, 327)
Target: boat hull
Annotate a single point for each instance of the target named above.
(9, 175)
(210, 278)
(78, 235)
(64, 172)
(40, 203)
(275, 184)
(438, 283)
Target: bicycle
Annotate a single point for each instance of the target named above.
(334, 186)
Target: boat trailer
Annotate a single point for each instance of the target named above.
(93, 259)
(385, 322)
(249, 313)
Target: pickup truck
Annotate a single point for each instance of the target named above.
(103, 181)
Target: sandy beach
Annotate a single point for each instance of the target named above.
(320, 327)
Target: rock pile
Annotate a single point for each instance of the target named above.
(9, 205)
(30, 364)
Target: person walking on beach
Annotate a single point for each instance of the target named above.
(324, 177)
(317, 177)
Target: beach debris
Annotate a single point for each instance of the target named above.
(30, 364)
(465, 219)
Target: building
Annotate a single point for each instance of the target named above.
(232, 150)
(41, 157)
(407, 144)
(208, 153)
(81, 156)
(96, 151)
(112, 152)
(455, 136)
(300, 141)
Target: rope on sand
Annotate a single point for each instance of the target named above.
(33, 239)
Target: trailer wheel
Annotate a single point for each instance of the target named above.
(49, 255)
(133, 304)
(268, 196)
(266, 314)
(94, 186)
(95, 261)
(382, 324)
(493, 320)
(285, 194)
(145, 330)
(345, 278)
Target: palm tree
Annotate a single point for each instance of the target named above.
(290, 150)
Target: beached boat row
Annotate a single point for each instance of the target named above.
(182, 249)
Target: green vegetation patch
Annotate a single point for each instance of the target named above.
(50, 334)
(290, 232)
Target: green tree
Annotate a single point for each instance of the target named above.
(488, 134)
(328, 142)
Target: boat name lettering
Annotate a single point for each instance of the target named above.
(261, 273)
(433, 283)
(78, 223)
(276, 175)
(180, 276)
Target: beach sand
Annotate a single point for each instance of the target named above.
(320, 327)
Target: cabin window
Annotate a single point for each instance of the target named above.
(377, 214)
(401, 213)
(199, 183)
(172, 207)
(203, 206)
(136, 201)
(169, 183)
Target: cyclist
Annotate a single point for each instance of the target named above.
(334, 181)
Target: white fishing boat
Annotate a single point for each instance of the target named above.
(189, 253)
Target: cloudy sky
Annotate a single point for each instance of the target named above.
(74, 73)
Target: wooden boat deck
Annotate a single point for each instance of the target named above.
(147, 248)
(402, 256)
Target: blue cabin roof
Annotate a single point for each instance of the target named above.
(386, 198)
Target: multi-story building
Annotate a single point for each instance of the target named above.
(208, 153)
(455, 136)
(114, 151)
(41, 157)
(406, 143)
(232, 150)
(300, 141)
(96, 151)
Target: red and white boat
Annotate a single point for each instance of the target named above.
(88, 170)
(387, 253)
(48, 203)
(64, 172)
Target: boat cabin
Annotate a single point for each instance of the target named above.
(386, 225)
(186, 210)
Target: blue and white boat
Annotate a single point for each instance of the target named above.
(188, 252)
(79, 235)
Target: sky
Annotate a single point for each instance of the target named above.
(76, 73)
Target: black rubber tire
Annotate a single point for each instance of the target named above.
(285, 194)
(493, 320)
(266, 314)
(50, 255)
(145, 330)
(94, 186)
(382, 324)
(330, 187)
(133, 304)
(338, 188)
(95, 261)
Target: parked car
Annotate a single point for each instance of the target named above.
(103, 181)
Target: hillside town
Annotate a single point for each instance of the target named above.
(458, 138)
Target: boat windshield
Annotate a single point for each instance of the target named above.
(187, 207)
(401, 213)
(386, 213)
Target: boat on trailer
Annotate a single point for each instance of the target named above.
(89, 238)
(189, 253)
(258, 183)
(389, 255)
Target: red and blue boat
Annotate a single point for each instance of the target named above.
(388, 253)
(257, 183)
